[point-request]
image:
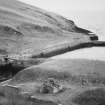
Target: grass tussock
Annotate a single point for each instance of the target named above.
(91, 97)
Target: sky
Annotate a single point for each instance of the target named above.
(74, 9)
(64, 5)
(88, 14)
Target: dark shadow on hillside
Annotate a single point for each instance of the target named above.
(10, 68)
(7, 71)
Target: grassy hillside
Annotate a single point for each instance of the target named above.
(26, 30)
(63, 70)
(80, 78)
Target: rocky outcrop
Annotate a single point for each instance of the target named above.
(92, 35)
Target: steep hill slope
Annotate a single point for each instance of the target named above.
(26, 30)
